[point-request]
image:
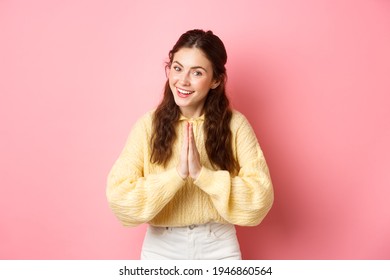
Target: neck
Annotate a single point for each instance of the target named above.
(191, 114)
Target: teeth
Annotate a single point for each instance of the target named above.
(184, 91)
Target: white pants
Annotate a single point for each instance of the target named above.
(210, 241)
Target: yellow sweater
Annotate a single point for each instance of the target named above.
(141, 192)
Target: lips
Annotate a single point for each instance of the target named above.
(183, 93)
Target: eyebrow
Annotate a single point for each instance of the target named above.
(193, 67)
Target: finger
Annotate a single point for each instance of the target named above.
(194, 165)
(185, 139)
(191, 142)
(193, 147)
(183, 160)
(192, 150)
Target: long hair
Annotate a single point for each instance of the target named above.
(218, 136)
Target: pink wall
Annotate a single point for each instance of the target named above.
(311, 76)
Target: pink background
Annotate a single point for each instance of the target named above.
(311, 76)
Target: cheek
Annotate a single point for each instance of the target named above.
(204, 85)
(172, 78)
(171, 82)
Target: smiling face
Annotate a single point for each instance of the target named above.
(190, 79)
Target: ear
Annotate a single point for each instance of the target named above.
(215, 84)
(167, 70)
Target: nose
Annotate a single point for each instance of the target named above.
(184, 79)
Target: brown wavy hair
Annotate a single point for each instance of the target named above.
(218, 114)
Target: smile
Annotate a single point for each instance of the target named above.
(182, 91)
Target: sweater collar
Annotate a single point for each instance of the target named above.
(183, 118)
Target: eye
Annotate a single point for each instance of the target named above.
(176, 68)
(197, 73)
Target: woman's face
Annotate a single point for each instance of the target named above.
(190, 79)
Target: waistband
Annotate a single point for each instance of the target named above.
(190, 227)
(196, 227)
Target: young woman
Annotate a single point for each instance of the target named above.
(192, 168)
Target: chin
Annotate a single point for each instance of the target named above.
(181, 104)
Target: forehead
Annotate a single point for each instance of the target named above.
(191, 57)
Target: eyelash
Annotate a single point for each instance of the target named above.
(196, 73)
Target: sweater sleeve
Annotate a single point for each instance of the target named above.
(134, 197)
(244, 199)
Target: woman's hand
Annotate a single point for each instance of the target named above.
(182, 167)
(189, 162)
(194, 165)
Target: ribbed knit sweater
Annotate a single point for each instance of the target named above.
(141, 192)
